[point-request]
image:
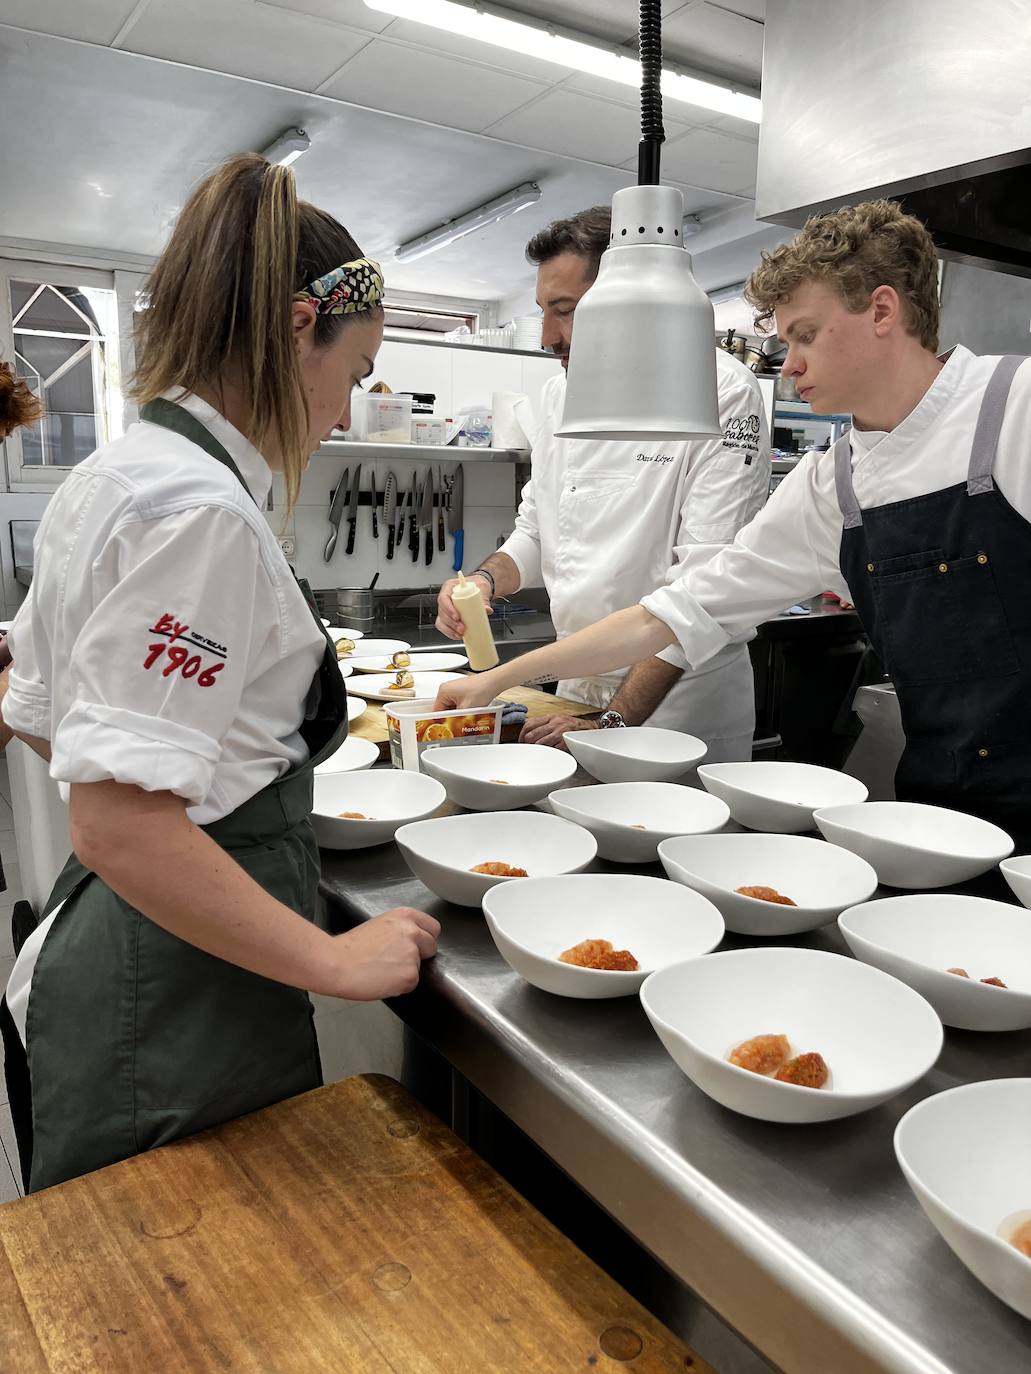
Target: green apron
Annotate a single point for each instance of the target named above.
(134, 1037)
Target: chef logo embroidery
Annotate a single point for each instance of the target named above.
(175, 652)
(743, 432)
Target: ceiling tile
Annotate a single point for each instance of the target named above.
(353, 12)
(712, 39)
(704, 157)
(243, 39)
(744, 128)
(97, 22)
(575, 126)
(429, 86)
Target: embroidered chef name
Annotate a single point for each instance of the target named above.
(743, 432)
(661, 458)
(175, 651)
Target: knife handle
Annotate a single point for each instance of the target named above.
(429, 547)
(375, 522)
(351, 526)
(441, 538)
(413, 545)
(390, 541)
(459, 551)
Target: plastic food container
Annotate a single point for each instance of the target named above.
(377, 419)
(414, 726)
(428, 431)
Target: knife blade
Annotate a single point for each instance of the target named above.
(352, 508)
(375, 504)
(413, 538)
(441, 537)
(455, 516)
(403, 503)
(426, 514)
(336, 506)
(389, 507)
(413, 517)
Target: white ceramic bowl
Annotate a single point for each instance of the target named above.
(779, 797)
(965, 1155)
(612, 810)
(420, 663)
(876, 1035)
(1017, 872)
(912, 845)
(820, 878)
(640, 753)
(918, 938)
(498, 777)
(353, 756)
(533, 921)
(391, 797)
(441, 852)
(375, 686)
(356, 707)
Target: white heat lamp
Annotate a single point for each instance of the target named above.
(642, 361)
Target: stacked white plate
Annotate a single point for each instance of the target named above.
(527, 332)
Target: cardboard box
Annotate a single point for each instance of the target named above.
(413, 726)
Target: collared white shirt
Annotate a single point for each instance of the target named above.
(791, 550)
(603, 522)
(164, 642)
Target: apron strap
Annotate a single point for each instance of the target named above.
(989, 423)
(174, 417)
(847, 503)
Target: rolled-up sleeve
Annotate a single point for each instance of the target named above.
(523, 545)
(27, 704)
(157, 670)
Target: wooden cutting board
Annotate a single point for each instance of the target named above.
(373, 724)
(345, 1231)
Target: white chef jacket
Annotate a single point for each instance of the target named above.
(603, 522)
(791, 550)
(164, 641)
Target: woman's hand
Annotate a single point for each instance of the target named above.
(464, 693)
(383, 957)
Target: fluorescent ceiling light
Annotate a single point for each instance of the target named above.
(551, 46)
(288, 147)
(520, 198)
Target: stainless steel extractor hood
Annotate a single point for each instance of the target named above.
(925, 101)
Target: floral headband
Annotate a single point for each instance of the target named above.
(347, 290)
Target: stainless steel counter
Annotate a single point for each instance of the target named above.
(806, 1240)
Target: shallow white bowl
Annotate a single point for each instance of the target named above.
(353, 756)
(498, 777)
(441, 852)
(965, 1155)
(533, 921)
(912, 845)
(820, 878)
(420, 663)
(640, 753)
(390, 796)
(876, 1035)
(1017, 872)
(374, 686)
(779, 797)
(918, 938)
(374, 648)
(611, 810)
(356, 707)
(343, 632)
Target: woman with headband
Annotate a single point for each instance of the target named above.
(180, 682)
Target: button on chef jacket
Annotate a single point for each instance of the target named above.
(603, 522)
(151, 546)
(791, 550)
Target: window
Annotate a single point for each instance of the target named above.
(403, 321)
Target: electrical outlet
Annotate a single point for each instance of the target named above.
(288, 546)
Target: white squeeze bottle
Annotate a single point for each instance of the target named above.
(478, 640)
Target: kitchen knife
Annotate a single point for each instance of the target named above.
(352, 508)
(389, 508)
(441, 536)
(413, 517)
(336, 506)
(426, 515)
(375, 504)
(455, 515)
(413, 539)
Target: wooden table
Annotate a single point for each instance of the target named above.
(372, 724)
(343, 1230)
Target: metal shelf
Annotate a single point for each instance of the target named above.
(799, 410)
(426, 453)
(473, 348)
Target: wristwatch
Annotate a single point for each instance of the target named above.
(611, 720)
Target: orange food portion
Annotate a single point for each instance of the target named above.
(638, 827)
(959, 972)
(994, 982)
(499, 870)
(502, 781)
(806, 1070)
(355, 816)
(1020, 1238)
(765, 894)
(599, 954)
(762, 1054)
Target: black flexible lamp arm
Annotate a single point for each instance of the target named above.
(652, 133)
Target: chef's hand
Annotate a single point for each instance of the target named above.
(551, 729)
(449, 622)
(465, 693)
(382, 957)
